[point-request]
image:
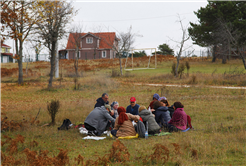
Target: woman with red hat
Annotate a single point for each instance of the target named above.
(123, 124)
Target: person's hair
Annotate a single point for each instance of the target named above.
(166, 102)
(104, 94)
(156, 104)
(178, 105)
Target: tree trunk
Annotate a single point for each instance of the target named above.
(20, 77)
(52, 63)
(213, 54)
(224, 59)
(121, 73)
(76, 61)
(242, 54)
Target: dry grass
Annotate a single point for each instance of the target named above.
(218, 116)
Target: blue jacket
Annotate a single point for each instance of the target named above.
(162, 115)
(133, 111)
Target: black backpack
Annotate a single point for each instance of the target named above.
(141, 129)
(65, 125)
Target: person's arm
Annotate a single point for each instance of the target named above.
(108, 116)
(134, 117)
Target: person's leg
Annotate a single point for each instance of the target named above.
(172, 128)
(114, 132)
(91, 130)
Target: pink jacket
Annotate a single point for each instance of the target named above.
(179, 119)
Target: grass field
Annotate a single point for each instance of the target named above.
(218, 116)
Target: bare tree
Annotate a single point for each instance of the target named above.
(55, 15)
(228, 35)
(18, 18)
(76, 34)
(181, 43)
(125, 43)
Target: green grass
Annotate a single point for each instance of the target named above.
(218, 115)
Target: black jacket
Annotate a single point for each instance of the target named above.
(171, 110)
(100, 102)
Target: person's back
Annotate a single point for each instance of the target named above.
(179, 119)
(98, 119)
(162, 115)
(146, 115)
(126, 129)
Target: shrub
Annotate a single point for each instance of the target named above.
(181, 69)
(173, 69)
(53, 108)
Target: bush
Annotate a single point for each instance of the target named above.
(53, 108)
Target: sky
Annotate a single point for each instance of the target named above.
(154, 22)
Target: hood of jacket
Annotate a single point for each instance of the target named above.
(144, 114)
(162, 108)
(100, 100)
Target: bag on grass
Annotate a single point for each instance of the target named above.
(65, 124)
(141, 129)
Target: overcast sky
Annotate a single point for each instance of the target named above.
(155, 22)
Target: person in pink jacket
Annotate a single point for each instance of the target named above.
(179, 118)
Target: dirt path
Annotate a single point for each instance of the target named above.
(187, 86)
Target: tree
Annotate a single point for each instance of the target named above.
(19, 19)
(125, 42)
(205, 33)
(181, 43)
(165, 49)
(76, 34)
(139, 54)
(55, 15)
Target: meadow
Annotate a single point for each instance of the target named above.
(218, 115)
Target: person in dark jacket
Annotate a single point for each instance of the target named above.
(162, 115)
(147, 116)
(102, 100)
(170, 108)
(98, 120)
(133, 107)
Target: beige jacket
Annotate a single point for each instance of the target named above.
(126, 129)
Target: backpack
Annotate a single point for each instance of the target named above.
(141, 129)
(65, 125)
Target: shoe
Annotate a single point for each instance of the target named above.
(91, 133)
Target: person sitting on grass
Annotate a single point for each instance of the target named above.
(147, 116)
(179, 119)
(102, 100)
(114, 107)
(123, 124)
(155, 98)
(162, 115)
(98, 120)
(133, 107)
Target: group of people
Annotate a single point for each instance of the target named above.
(159, 114)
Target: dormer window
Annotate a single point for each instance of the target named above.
(89, 40)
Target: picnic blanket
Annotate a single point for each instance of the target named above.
(161, 134)
(94, 138)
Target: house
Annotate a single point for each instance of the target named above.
(91, 46)
(6, 56)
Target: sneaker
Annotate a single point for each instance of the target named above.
(91, 133)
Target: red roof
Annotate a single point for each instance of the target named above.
(9, 54)
(106, 39)
(4, 45)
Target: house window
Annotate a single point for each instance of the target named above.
(89, 40)
(103, 54)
